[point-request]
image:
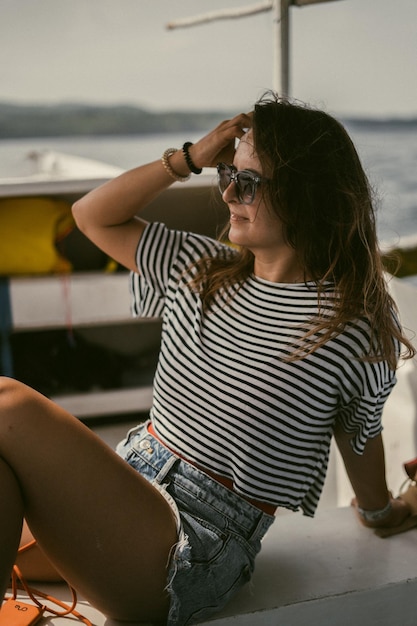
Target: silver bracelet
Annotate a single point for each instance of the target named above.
(375, 516)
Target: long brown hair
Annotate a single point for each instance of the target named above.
(319, 190)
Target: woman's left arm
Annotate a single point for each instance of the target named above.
(366, 473)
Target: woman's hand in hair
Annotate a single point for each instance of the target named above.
(219, 144)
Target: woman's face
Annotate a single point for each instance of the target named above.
(254, 225)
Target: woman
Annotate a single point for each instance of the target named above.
(269, 348)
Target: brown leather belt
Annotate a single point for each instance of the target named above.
(226, 482)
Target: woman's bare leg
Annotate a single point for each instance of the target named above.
(108, 532)
(33, 563)
(11, 511)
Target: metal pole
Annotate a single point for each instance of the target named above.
(280, 33)
(276, 41)
(281, 45)
(285, 47)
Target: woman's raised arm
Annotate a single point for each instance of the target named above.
(108, 215)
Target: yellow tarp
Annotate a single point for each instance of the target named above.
(29, 229)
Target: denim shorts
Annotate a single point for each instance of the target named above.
(219, 533)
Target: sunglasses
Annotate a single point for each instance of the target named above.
(246, 182)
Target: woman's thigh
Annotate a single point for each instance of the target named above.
(33, 563)
(106, 529)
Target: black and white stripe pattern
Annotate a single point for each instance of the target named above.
(224, 394)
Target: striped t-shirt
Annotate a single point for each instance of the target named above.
(225, 395)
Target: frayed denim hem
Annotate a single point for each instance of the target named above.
(218, 532)
(179, 558)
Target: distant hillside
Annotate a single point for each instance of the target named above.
(18, 121)
(389, 123)
(78, 119)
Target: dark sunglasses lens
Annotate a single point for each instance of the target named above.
(246, 184)
(246, 188)
(224, 176)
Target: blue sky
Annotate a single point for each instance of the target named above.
(354, 57)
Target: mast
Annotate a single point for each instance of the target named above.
(280, 32)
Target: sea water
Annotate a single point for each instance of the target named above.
(388, 153)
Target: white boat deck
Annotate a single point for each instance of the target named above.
(325, 571)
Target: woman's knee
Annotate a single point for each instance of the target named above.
(17, 402)
(6, 382)
(12, 392)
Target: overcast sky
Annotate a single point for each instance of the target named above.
(355, 57)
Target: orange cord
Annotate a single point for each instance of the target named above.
(18, 582)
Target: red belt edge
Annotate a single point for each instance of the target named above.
(267, 508)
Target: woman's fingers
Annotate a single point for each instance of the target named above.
(219, 144)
